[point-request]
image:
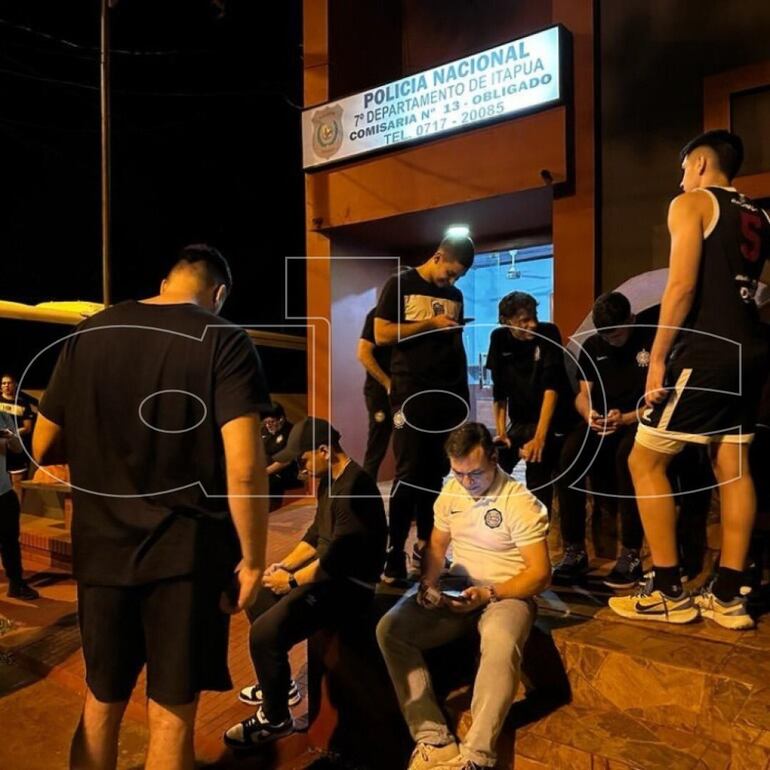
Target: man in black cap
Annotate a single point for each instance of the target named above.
(330, 575)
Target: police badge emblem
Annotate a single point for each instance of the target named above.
(493, 518)
(643, 358)
(399, 420)
(327, 131)
(379, 416)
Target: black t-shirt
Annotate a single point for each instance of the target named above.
(522, 370)
(274, 443)
(436, 359)
(623, 370)
(381, 354)
(733, 255)
(141, 392)
(349, 531)
(19, 408)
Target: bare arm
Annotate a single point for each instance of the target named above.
(533, 579)
(48, 442)
(685, 224)
(366, 357)
(433, 558)
(391, 333)
(276, 467)
(583, 402)
(247, 496)
(500, 411)
(299, 557)
(547, 408)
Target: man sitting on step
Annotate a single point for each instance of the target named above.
(497, 529)
(328, 577)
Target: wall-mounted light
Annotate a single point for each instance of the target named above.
(457, 231)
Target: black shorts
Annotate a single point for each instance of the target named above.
(705, 404)
(173, 626)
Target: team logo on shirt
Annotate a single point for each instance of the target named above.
(493, 518)
(643, 358)
(438, 308)
(399, 420)
(279, 439)
(537, 353)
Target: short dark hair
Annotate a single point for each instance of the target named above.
(611, 309)
(274, 410)
(727, 146)
(210, 260)
(459, 248)
(463, 440)
(9, 376)
(512, 303)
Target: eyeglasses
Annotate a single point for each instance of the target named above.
(472, 475)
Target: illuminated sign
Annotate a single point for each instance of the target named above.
(496, 83)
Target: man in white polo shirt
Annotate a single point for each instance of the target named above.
(497, 529)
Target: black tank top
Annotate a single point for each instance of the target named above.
(735, 248)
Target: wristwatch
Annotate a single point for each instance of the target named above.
(293, 581)
(493, 597)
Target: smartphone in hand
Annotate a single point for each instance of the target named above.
(454, 595)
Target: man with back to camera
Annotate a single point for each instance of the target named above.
(709, 346)
(531, 393)
(612, 372)
(420, 313)
(376, 361)
(497, 530)
(155, 406)
(327, 578)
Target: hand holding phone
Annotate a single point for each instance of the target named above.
(454, 595)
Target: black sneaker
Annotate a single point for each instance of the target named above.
(256, 731)
(573, 565)
(18, 589)
(627, 571)
(253, 694)
(395, 567)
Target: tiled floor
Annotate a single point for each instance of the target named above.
(41, 662)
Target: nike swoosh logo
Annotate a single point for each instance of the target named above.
(452, 512)
(651, 609)
(602, 358)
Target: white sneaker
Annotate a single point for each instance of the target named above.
(425, 756)
(732, 614)
(649, 604)
(253, 694)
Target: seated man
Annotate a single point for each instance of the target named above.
(328, 577)
(498, 533)
(612, 372)
(280, 475)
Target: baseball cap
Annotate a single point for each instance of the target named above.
(306, 436)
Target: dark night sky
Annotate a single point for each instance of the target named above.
(206, 147)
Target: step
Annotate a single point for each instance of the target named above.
(698, 677)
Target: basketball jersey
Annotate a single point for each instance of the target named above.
(736, 244)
